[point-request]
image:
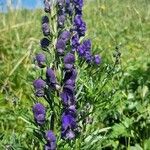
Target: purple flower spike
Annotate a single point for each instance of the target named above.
(78, 20)
(39, 113)
(44, 43)
(39, 86)
(45, 29)
(65, 35)
(60, 46)
(97, 59)
(47, 6)
(51, 78)
(40, 58)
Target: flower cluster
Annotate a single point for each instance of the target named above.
(68, 98)
(79, 28)
(41, 85)
(66, 42)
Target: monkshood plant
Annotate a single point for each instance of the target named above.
(58, 114)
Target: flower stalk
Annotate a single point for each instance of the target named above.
(63, 28)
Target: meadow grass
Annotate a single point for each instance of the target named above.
(120, 96)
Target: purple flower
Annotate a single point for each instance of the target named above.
(97, 59)
(68, 126)
(75, 42)
(70, 134)
(44, 43)
(70, 75)
(40, 58)
(69, 10)
(45, 29)
(61, 3)
(65, 35)
(51, 78)
(88, 57)
(51, 140)
(69, 7)
(67, 96)
(60, 46)
(39, 86)
(69, 60)
(50, 146)
(45, 19)
(87, 44)
(78, 6)
(81, 50)
(78, 3)
(84, 50)
(79, 25)
(50, 137)
(61, 20)
(68, 121)
(47, 6)
(39, 113)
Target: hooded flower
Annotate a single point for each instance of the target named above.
(61, 3)
(78, 6)
(44, 43)
(39, 86)
(61, 20)
(97, 59)
(67, 96)
(47, 6)
(75, 42)
(84, 50)
(45, 19)
(51, 78)
(79, 25)
(60, 46)
(39, 113)
(51, 140)
(65, 35)
(45, 29)
(40, 58)
(68, 125)
(69, 61)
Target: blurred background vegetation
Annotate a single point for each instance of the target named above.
(122, 107)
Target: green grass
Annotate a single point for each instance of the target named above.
(121, 108)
